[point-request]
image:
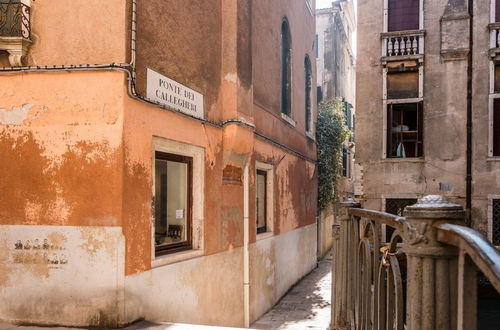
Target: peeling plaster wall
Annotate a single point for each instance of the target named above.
(278, 262)
(295, 191)
(79, 153)
(60, 152)
(445, 91)
(206, 290)
(485, 170)
(77, 32)
(68, 274)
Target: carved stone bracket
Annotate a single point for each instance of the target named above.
(415, 234)
(16, 47)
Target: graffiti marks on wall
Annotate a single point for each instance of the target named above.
(40, 251)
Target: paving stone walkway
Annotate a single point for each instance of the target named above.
(305, 306)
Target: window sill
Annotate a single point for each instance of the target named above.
(493, 159)
(403, 160)
(311, 135)
(175, 257)
(288, 119)
(265, 235)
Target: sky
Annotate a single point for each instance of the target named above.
(323, 3)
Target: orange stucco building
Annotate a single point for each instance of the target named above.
(174, 180)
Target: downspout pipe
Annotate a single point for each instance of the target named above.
(468, 178)
(246, 254)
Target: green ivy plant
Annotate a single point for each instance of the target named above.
(331, 132)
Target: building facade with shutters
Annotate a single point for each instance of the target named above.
(417, 131)
(158, 159)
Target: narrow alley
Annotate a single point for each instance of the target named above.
(306, 305)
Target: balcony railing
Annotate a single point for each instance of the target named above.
(15, 29)
(404, 43)
(15, 18)
(494, 36)
(425, 277)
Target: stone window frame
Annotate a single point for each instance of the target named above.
(491, 198)
(198, 183)
(493, 15)
(386, 15)
(386, 102)
(288, 117)
(309, 6)
(491, 107)
(269, 169)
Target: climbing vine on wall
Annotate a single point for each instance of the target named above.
(331, 133)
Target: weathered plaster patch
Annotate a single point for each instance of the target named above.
(231, 77)
(15, 116)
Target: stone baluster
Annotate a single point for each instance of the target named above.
(406, 46)
(414, 45)
(342, 267)
(396, 46)
(432, 266)
(390, 46)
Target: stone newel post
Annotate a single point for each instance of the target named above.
(432, 266)
(343, 266)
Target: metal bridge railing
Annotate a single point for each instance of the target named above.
(424, 278)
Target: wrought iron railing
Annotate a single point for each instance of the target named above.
(404, 43)
(425, 278)
(15, 18)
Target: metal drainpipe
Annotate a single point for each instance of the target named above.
(246, 254)
(468, 179)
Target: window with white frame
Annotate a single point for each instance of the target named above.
(264, 202)
(177, 196)
(404, 115)
(494, 110)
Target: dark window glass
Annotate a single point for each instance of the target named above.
(345, 163)
(497, 77)
(319, 93)
(496, 127)
(307, 90)
(172, 223)
(497, 11)
(286, 69)
(405, 130)
(496, 222)
(396, 206)
(402, 85)
(261, 201)
(403, 15)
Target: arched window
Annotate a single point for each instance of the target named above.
(308, 90)
(286, 69)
